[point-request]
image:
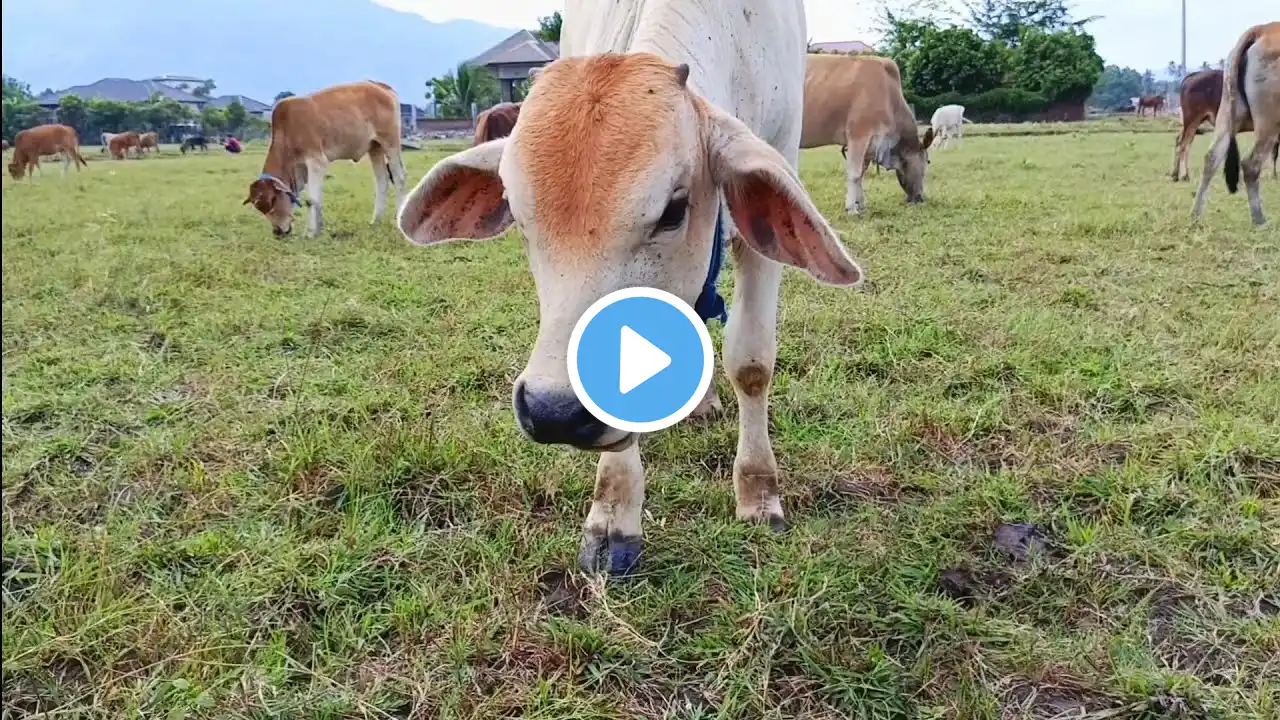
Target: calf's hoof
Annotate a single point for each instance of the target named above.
(710, 407)
(614, 554)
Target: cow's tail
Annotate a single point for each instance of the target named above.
(1231, 169)
(1233, 89)
(967, 120)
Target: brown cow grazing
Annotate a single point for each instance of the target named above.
(1250, 92)
(1155, 102)
(149, 141)
(30, 144)
(120, 143)
(857, 102)
(496, 122)
(308, 132)
(1201, 95)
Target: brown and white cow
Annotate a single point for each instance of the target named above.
(148, 141)
(31, 143)
(308, 132)
(496, 122)
(857, 102)
(656, 114)
(1250, 93)
(121, 143)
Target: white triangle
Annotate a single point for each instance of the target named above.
(639, 361)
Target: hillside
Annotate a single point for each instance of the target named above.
(248, 47)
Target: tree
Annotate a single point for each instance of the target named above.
(15, 89)
(954, 60)
(1148, 82)
(283, 94)
(549, 27)
(213, 120)
(72, 111)
(1004, 20)
(160, 112)
(204, 89)
(236, 116)
(458, 90)
(1058, 65)
(1115, 86)
(111, 115)
(1205, 66)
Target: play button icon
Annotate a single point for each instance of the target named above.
(640, 359)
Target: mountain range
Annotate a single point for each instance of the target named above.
(248, 47)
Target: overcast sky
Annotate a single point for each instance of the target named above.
(1137, 33)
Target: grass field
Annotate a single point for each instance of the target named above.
(1033, 471)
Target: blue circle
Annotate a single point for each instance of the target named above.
(599, 357)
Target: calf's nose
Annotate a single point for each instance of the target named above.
(556, 417)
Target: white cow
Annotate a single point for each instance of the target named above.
(106, 140)
(655, 114)
(948, 122)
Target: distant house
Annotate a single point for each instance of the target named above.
(253, 107)
(513, 58)
(122, 90)
(410, 114)
(841, 46)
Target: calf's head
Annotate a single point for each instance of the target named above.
(911, 159)
(275, 200)
(614, 176)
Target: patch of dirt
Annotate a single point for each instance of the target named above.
(1061, 430)
(562, 594)
(1059, 699)
(968, 586)
(873, 484)
(1019, 541)
(1263, 473)
(1204, 654)
(996, 451)
(431, 502)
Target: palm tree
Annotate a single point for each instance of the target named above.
(458, 91)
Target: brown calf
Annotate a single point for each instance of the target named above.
(1250, 94)
(120, 143)
(30, 144)
(857, 102)
(496, 122)
(149, 140)
(308, 132)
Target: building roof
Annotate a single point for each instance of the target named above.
(522, 48)
(178, 79)
(121, 90)
(841, 46)
(251, 105)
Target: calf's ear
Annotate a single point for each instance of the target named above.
(928, 139)
(461, 198)
(770, 207)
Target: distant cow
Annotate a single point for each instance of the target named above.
(120, 144)
(948, 122)
(106, 141)
(4, 145)
(1155, 102)
(149, 141)
(308, 132)
(496, 122)
(1250, 93)
(193, 142)
(30, 144)
(858, 102)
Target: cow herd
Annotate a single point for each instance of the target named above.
(665, 131)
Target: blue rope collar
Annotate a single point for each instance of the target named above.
(709, 304)
(293, 197)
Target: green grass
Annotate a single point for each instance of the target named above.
(250, 478)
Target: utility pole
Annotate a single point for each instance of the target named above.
(1184, 38)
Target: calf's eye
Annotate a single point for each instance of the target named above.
(673, 214)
